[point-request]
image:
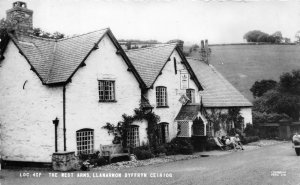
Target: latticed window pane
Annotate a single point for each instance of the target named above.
(190, 93)
(183, 127)
(161, 96)
(133, 138)
(85, 141)
(106, 90)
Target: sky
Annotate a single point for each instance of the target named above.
(219, 21)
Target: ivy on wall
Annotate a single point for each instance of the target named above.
(220, 120)
(120, 130)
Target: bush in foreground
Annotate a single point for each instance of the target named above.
(142, 153)
(180, 146)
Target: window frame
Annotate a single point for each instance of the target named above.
(209, 129)
(192, 93)
(164, 132)
(161, 102)
(85, 145)
(111, 91)
(132, 130)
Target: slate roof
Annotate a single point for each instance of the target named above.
(218, 92)
(56, 61)
(188, 112)
(150, 61)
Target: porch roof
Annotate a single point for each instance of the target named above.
(188, 112)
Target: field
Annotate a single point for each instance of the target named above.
(242, 65)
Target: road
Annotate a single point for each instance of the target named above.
(258, 166)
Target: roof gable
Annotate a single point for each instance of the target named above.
(150, 61)
(218, 92)
(56, 61)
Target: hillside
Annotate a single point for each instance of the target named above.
(242, 65)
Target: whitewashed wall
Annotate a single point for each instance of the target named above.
(169, 79)
(247, 115)
(83, 109)
(26, 114)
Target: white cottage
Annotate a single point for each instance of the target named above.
(78, 83)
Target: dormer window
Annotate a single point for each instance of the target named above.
(161, 96)
(106, 90)
(190, 93)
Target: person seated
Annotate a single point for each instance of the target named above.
(238, 142)
(223, 140)
(230, 143)
(296, 139)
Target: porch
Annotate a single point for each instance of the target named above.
(191, 123)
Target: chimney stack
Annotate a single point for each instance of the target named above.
(206, 44)
(202, 44)
(205, 51)
(20, 17)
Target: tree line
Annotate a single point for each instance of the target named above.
(259, 36)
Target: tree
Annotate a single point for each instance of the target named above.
(263, 38)
(283, 100)
(260, 87)
(252, 36)
(40, 33)
(277, 36)
(290, 82)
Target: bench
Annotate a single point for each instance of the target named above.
(113, 151)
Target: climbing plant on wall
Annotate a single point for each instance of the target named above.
(221, 120)
(235, 116)
(120, 130)
(217, 119)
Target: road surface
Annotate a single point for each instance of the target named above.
(276, 164)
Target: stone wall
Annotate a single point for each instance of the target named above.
(65, 161)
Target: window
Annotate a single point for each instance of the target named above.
(133, 138)
(190, 93)
(230, 126)
(161, 97)
(183, 129)
(209, 129)
(106, 90)
(85, 141)
(163, 130)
